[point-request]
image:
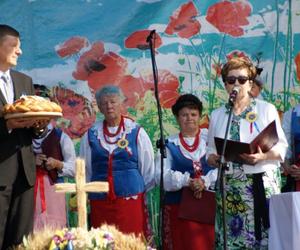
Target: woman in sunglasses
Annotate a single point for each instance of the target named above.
(250, 184)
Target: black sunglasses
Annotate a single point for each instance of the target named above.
(232, 79)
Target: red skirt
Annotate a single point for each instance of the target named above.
(128, 215)
(181, 234)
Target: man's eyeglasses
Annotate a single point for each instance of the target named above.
(232, 79)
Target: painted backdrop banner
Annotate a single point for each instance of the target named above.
(75, 47)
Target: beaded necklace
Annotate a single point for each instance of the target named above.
(106, 132)
(194, 146)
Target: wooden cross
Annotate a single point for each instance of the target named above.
(81, 188)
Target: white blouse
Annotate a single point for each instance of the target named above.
(266, 113)
(175, 180)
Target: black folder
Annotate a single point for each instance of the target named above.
(266, 139)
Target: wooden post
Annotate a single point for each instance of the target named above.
(81, 188)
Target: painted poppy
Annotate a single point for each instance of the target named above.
(133, 90)
(71, 46)
(183, 21)
(138, 40)
(167, 87)
(166, 81)
(167, 98)
(78, 113)
(113, 70)
(229, 17)
(90, 61)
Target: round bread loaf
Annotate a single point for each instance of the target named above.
(31, 104)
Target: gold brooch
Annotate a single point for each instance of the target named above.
(251, 117)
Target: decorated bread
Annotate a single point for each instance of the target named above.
(31, 103)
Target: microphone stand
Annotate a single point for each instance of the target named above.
(220, 183)
(161, 143)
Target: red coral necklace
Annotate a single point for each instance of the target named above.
(106, 132)
(194, 146)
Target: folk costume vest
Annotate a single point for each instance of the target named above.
(51, 148)
(121, 167)
(182, 164)
(295, 131)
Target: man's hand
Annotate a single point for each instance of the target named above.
(19, 123)
(27, 123)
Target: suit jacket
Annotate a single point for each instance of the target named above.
(16, 146)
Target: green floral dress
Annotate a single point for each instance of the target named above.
(239, 201)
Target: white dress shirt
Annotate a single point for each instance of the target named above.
(7, 87)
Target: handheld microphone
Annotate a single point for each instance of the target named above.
(233, 95)
(150, 36)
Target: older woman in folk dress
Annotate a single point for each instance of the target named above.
(119, 151)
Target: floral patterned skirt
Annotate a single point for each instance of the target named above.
(240, 211)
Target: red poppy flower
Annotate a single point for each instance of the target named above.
(183, 21)
(228, 17)
(76, 109)
(237, 54)
(166, 81)
(71, 46)
(167, 87)
(133, 90)
(297, 62)
(138, 40)
(113, 72)
(89, 62)
(167, 98)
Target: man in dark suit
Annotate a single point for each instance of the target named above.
(17, 163)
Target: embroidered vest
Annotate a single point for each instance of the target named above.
(182, 164)
(127, 180)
